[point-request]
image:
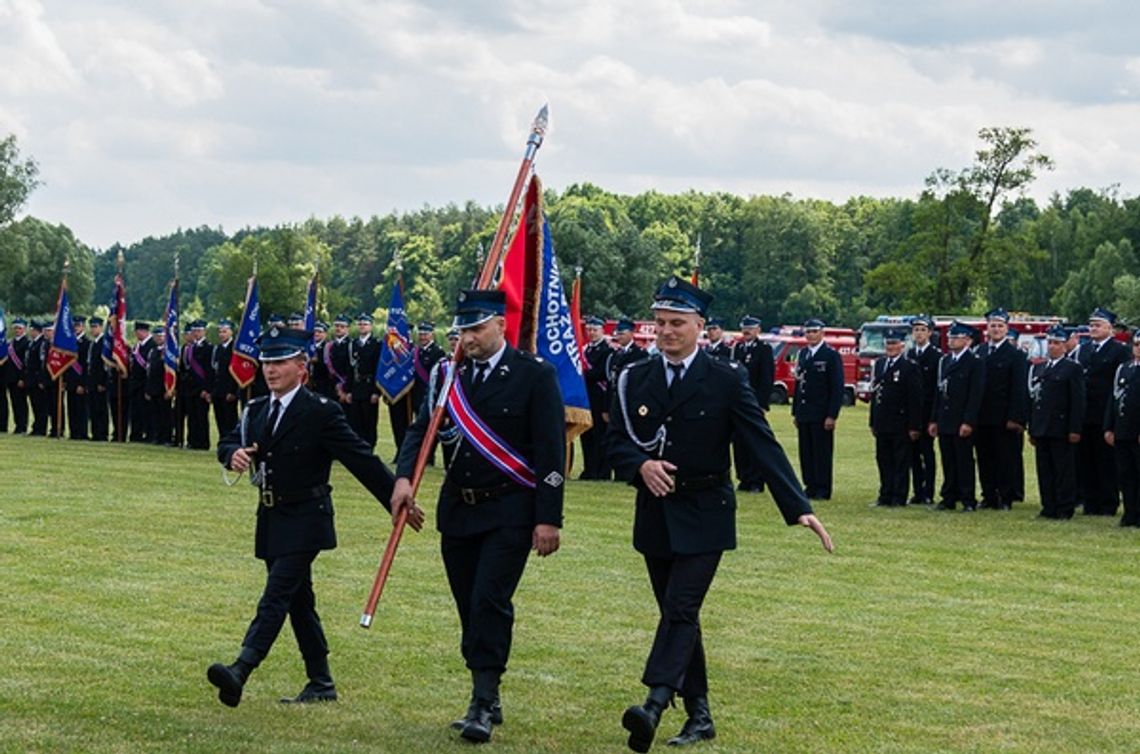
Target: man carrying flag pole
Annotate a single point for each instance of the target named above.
(244, 361)
(116, 355)
(395, 367)
(64, 350)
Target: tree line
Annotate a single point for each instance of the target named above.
(970, 240)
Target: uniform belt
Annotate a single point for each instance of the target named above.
(270, 498)
(476, 495)
(689, 484)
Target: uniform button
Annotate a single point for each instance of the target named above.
(269, 454)
(668, 419)
(670, 442)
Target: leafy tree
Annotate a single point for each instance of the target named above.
(34, 255)
(1093, 285)
(17, 179)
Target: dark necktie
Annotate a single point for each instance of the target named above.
(271, 422)
(479, 376)
(676, 369)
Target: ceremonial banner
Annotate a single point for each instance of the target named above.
(243, 363)
(116, 355)
(576, 319)
(170, 349)
(311, 314)
(538, 317)
(64, 347)
(395, 371)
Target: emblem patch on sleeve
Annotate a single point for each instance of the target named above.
(554, 479)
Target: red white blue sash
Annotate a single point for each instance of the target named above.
(490, 446)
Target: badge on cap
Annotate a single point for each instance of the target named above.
(274, 332)
(672, 282)
(461, 297)
(643, 410)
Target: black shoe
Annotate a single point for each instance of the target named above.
(316, 690)
(230, 679)
(698, 727)
(477, 726)
(969, 507)
(945, 506)
(496, 714)
(641, 721)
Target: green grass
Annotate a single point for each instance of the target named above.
(130, 570)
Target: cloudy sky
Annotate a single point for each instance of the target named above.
(147, 115)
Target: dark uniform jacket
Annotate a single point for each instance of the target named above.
(339, 362)
(896, 403)
(960, 387)
(720, 350)
(96, 368)
(320, 381)
(711, 407)
(12, 371)
(139, 366)
(199, 354)
(927, 362)
(1057, 396)
(223, 383)
(426, 357)
(619, 358)
(75, 376)
(1005, 396)
(597, 384)
(155, 385)
(521, 403)
(1100, 369)
(819, 384)
(364, 358)
(1122, 416)
(756, 357)
(35, 365)
(310, 435)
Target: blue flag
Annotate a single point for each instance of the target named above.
(170, 348)
(311, 315)
(555, 340)
(243, 363)
(395, 371)
(64, 347)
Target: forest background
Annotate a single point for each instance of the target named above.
(971, 239)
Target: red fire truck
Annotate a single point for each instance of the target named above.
(786, 345)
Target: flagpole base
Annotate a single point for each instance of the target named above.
(365, 621)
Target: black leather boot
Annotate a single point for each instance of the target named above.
(699, 726)
(320, 687)
(641, 721)
(496, 713)
(485, 693)
(230, 679)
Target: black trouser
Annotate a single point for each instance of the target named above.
(288, 591)
(77, 414)
(1128, 464)
(97, 410)
(922, 467)
(1056, 476)
(957, 469)
(677, 659)
(160, 414)
(120, 408)
(19, 396)
(997, 450)
(400, 417)
(594, 463)
(362, 417)
(1019, 468)
(225, 415)
(817, 446)
(1097, 468)
(197, 422)
(141, 417)
(892, 454)
(3, 406)
(483, 571)
(42, 406)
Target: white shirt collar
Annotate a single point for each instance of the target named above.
(494, 360)
(285, 401)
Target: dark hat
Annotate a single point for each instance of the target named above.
(341, 319)
(894, 336)
(321, 326)
(624, 325)
(198, 324)
(20, 321)
(425, 326)
(1101, 313)
(999, 313)
(296, 317)
(1136, 335)
(678, 295)
(1081, 329)
(715, 322)
(364, 317)
(95, 321)
(35, 324)
(1057, 332)
(476, 307)
(78, 319)
(139, 325)
(923, 319)
(223, 322)
(280, 343)
(453, 332)
(1014, 333)
(276, 319)
(749, 321)
(815, 323)
(961, 330)
(595, 322)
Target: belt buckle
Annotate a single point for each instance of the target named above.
(468, 495)
(267, 499)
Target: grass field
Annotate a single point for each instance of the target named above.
(127, 570)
